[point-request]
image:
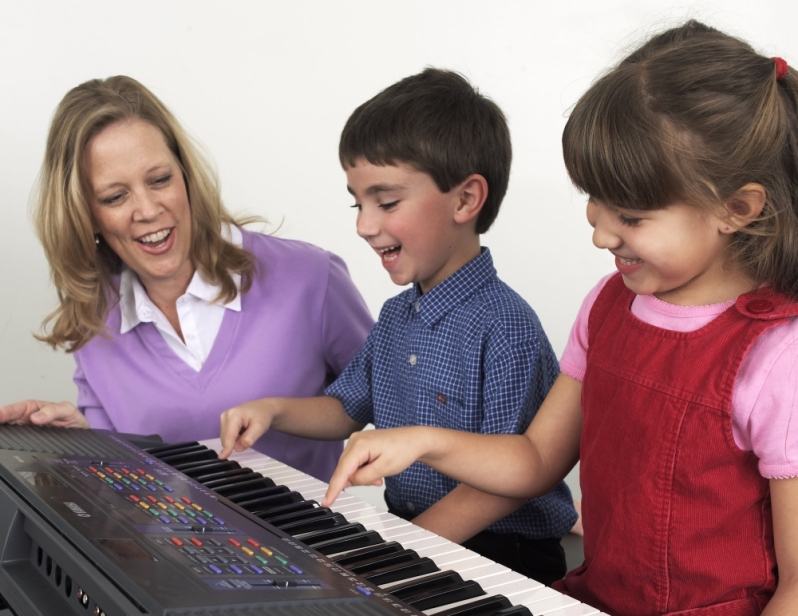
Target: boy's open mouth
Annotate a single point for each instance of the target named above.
(390, 253)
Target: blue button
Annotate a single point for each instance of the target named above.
(148, 461)
(202, 521)
(219, 522)
(255, 569)
(236, 569)
(183, 520)
(363, 589)
(295, 569)
(118, 487)
(151, 488)
(168, 489)
(214, 568)
(165, 520)
(135, 487)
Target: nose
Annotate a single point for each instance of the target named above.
(601, 219)
(147, 207)
(367, 223)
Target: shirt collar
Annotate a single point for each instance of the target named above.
(456, 289)
(136, 307)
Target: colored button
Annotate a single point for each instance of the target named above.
(253, 543)
(177, 542)
(125, 471)
(117, 475)
(261, 560)
(101, 475)
(119, 487)
(109, 470)
(189, 513)
(140, 471)
(247, 551)
(164, 506)
(134, 498)
(134, 476)
(267, 551)
(219, 521)
(234, 542)
(157, 482)
(196, 541)
(295, 569)
(151, 487)
(236, 569)
(207, 514)
(187, 501)
(165, 520)
(144, 505)
(202, 521)
(92, 469)
(109, 481)
(133, 486)
(179, 506)
(148, 461)
(256, 569)
(169, 499)
(281, 560)
(150, 477)
(126, 481)
(174, 514)
(196, 506)
(168, 489)
(142, 481)
(155, 512)
(363, 590)
(152, 499)
(183, 520)
(214, 568)
(760, 306)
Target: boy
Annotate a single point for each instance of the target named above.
(428, 161)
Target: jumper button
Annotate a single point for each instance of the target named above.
(760, 306)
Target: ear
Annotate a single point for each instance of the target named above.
(744, 207)
(471, 193)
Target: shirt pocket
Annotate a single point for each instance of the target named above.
(447, 407)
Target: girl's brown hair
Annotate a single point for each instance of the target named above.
(81, 270)
(693, 116)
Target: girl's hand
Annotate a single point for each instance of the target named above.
(40, 413)
(373, 454)
(242, 425)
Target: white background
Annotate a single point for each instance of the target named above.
(267, 86)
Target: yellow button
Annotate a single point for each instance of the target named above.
(196, 506)
(101, 475)
(247, 551)
(267, 551)
(134, 476)
(144, 505)
(163, 506)
(179, 506)
(150, 477)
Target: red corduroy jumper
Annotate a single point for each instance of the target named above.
(676, 517)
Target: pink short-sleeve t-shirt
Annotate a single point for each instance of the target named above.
(765, 397)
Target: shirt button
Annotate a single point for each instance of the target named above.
(417, 304)
(760, 306)
(410, 506)
(413, 360)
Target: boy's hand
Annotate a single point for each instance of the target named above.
(41, 413)
(371, 455)
(242, 425)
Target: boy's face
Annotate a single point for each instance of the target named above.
(408, 222)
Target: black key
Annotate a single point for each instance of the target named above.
(204, 466)
(330, 521)
(193, 456)
(436, 598)
(334, 533)
(154, 451)
(244, 486)
(382, 560)
(516, 610)
(351, 558)
(179, 450)
(352, 542)
(402, 571)
(267, 502)
(296, 516)
(488, 606)
(268, 514)
(414, 587)
(251, 495)
(236, 480)
(213, 475)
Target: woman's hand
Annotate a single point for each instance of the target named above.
(373, 454)
(40, 413)
(242, 425)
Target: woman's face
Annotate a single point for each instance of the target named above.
(139, 204)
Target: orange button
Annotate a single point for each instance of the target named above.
(196, 541)
(176, 541)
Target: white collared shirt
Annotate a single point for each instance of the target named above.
(199, 315)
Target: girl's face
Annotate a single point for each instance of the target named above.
(677, 254)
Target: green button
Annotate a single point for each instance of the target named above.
(154, 512)
(207, 513)
(160, 483)
(281, 560)
(172, 513)
(261, 560)
(143, 482)
(125, 481)
(109, 480)
(190, 513)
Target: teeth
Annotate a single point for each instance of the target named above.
(384, 250)
(629, 261)
(158, 236)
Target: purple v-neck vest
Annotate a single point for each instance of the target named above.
(299, 326)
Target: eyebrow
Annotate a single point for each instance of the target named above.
(377, 189)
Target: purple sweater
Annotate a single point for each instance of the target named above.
(299, 325)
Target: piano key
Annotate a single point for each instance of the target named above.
(299, 527)
(351, 542)
(497, 580)
(356, 556)
(400, 571)
(481, 607)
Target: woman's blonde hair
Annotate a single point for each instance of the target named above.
(81, 269)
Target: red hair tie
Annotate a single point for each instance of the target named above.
(781, 67)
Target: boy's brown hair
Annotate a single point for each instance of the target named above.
(440, 124)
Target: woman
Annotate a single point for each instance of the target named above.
(172, 311)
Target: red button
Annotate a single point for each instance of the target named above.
(177, 542)
(125, 471)
(234, 542)
(195, 541)
(187, 501)
(253, 543)
(760, 306)
(141, 472)
(134, 498)
(152, 499)
(169, 499)
(92, 469)
(109, 469)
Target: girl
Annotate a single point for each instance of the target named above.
(678, 383)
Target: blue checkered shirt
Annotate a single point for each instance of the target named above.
(470, 354)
